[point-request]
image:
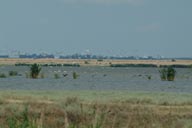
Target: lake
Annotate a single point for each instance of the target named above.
(97, 78)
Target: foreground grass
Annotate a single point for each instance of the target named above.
(94, 109)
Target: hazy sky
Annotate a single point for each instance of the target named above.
(106, 27)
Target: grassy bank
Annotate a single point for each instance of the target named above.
(100, 96)
(94, 109)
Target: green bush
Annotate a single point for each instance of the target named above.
(163, 74)
(75, 75)
(167, 74)
(13, 73)
(2, 75)
(171, 74)
(35, 70)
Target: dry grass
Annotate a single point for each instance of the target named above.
(9, 61)
(73, 112)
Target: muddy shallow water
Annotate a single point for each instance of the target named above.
(97, 78)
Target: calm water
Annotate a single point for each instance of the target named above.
(97, 78)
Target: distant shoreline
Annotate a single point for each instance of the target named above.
(91, 62)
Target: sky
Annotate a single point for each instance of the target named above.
(102, 27)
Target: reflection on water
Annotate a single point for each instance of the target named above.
(97, 78)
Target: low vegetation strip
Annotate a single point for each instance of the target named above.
(150, 65)
(133, 65)
(176, 66)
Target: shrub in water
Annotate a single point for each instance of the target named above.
(35, 70)
(75, 75)
(163, 74)
(2, 75)
(13, 73)
(167, 73)
(171, 74)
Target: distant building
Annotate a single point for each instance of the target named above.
(4, 56)
(35, 56)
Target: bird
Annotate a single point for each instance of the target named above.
(64, 75)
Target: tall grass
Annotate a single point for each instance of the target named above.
(21, 121)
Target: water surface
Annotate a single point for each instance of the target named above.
(97, 78)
